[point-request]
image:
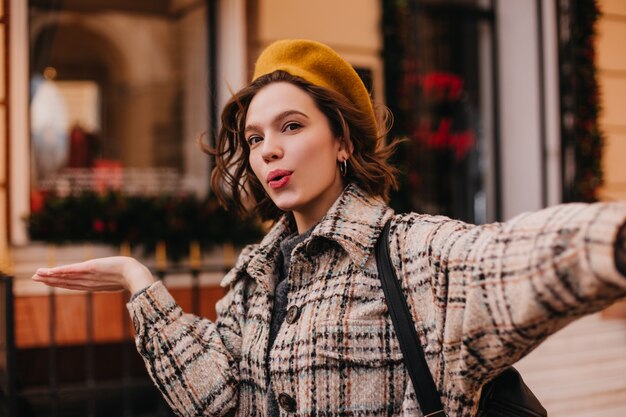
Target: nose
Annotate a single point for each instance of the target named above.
(272, 149)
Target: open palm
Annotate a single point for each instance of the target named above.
(101, 274)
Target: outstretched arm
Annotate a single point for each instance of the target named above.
(534, 275)
(193, 361)
(496, 291)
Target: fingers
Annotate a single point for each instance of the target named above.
(58, 283)
(55, 280)
(65, 270)
(83, 284)
(98, 266)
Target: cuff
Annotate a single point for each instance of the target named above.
(620, 249)
(601, 240)
(151, 309)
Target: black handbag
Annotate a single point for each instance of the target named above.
(504, 396)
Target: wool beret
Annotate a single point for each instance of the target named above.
(320, 65)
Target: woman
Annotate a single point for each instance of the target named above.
(304, 328)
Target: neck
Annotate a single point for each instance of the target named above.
(304, 222)
(312, 214)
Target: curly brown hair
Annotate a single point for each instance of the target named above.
(234, 182)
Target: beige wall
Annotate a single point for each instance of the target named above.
(351, 27)
(346, 24)
(581, 370)
(612, 77)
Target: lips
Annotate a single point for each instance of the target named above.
(278, 178)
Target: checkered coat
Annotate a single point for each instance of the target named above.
(481, 297)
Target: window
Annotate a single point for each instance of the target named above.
(440, 85)
(118, 96)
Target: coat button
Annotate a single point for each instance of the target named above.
(292, 314)
(287, 402)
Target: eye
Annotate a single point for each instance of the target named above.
(291, 126)
(253, 140)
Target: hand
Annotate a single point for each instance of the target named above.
(102, 274)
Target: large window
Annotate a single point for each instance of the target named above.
(440, 85)
(118, 96)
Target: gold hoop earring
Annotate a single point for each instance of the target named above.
(343, 167)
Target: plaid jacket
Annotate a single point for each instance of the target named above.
(482, 297)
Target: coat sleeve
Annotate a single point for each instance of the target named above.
(487, 295)
(193, 361)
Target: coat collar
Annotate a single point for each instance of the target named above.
(354, 221)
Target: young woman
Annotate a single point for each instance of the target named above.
(304, 328)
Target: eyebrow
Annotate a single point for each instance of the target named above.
(278, 117)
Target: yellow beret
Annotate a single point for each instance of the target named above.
(319, 65)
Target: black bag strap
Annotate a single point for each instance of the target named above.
(423, 384)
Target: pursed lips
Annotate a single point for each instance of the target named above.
(278, 178)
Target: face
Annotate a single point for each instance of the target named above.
(293, 152)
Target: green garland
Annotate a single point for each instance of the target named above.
(586, 135)
(114, 218)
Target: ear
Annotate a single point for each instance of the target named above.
(345, 149)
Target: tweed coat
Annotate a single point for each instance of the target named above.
(481, 296)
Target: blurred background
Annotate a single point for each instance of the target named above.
(508, 105)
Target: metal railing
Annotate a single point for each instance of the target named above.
(92, 379)
(130, 181)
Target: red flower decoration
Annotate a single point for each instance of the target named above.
(98, 225)
(442, 85)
